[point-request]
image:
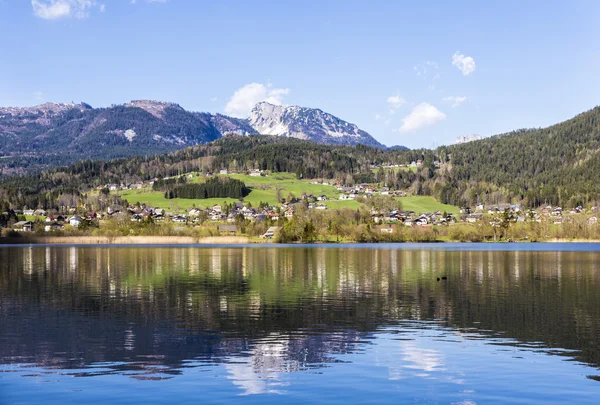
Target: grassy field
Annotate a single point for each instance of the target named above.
(336, 204)
(421, 204)
(265, 189)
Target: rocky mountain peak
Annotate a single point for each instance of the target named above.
(306, 123)
(156, 108)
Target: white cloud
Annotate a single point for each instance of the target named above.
(395, 102)
(377, 117)
(456, 101)
(465, 64)
(422, 115)
(55, 9)
(38, 95)
(102, 8)
(213, 99)
(249, 95)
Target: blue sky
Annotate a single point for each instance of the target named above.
(410, 73)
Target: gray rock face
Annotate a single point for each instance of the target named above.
(306, 123)
(52, 134)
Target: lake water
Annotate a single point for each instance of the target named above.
(505, 323)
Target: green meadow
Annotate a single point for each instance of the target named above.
(264, 189)
(421, 204)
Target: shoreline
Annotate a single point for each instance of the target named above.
(125, 240)
(220, 240)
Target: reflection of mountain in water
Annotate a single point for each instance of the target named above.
(265, 311)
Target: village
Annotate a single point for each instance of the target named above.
(228, 217)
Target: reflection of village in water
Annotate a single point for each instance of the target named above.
(262, 312)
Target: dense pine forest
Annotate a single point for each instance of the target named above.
(212, 188)
(559, 165)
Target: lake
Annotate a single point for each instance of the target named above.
(448, 323)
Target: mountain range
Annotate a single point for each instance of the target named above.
(60, 133)
(557, 165)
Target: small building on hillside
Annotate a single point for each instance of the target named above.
(271, 232)
(387, 229)
(227, 229)
(52, 227)
(23, 226)
(75, 221)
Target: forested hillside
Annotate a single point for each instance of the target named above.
(558, 165)
(237, 153)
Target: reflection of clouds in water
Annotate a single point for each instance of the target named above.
(261, 371)
(423, 361)
(426, 360)
(244, 376)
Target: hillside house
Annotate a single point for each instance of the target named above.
(289, 214)
(52, 226)
(227, 229)
(387, 229)
(271, 232)
(23, 226)
(75, 221)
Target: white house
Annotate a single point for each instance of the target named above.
(75, 221)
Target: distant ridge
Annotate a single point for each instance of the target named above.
(53, 134)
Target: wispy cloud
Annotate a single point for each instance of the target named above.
(395, 102)
(421, 116)
(456, 101)
(56, 9)
(466, 64)
(249, 95)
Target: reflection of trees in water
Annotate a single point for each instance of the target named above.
(278, 309)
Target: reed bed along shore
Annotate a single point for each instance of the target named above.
(125, 240)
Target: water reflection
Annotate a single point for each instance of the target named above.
(263, 313)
